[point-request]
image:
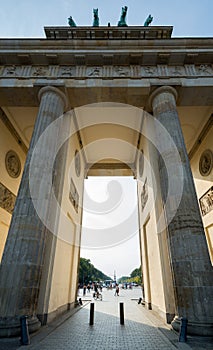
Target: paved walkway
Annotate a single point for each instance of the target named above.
(142, 329)
(107, 333)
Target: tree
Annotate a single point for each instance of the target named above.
(88, 272)
(136, 273)
(135, 276)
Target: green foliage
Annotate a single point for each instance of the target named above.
(123, 279)
(136, 273)
(135, 276)
(88, 272)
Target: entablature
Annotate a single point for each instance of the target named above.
(135, 45)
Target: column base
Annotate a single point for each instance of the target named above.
(47, 318)
(194, 328)
(11, 326)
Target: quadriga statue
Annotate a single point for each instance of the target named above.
(71, 22)
(96, 18)
(122, 21)
(148, 21)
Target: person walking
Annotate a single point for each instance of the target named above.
(116, 290)
(84, 289)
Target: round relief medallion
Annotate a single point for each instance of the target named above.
(13, 164)
(141, 163)
(206, 162)
(77, 163)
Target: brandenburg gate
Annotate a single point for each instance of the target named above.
(105, 101)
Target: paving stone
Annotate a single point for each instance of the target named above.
(143, 330)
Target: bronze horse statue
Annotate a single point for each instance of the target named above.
(122, 22)
(71, 22)
(148, 21)
(96, 18)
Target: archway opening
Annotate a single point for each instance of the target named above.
(110, 232)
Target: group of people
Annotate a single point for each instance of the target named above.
(96, 287)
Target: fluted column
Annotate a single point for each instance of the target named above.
(192, 270)
(21, 267)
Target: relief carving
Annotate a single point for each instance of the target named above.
(13, 164)
(11, 71)
(66, 71)
(120, 71)
(77, 163)
(206, 202)
(204, 69)
(7, 199)
(150, 70)
(74, 196)
(40, 71)
(94, 72)
(177, 70)
(206, 162)
(144, 195)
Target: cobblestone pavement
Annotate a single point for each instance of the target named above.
(142, 329)
(107, 333)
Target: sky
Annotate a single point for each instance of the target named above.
(111, 212)
(27, 19)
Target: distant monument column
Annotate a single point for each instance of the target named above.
(192, 270)
(22, 262)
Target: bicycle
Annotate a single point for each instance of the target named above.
(97, 295)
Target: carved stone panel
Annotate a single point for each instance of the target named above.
(144, 195)
(42, 71)
(206, 202)
(77, 163)
(7, 199)
(66, 71)
(206, 162)
(102, 71)
(74, 196)
(13, 164)
(94, 72)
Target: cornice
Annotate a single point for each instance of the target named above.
(17, 44)
(60, 53)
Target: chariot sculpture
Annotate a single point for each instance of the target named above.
(96, 18)
(71, 22)
(122, 21)
(148, 21)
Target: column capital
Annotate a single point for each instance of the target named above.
(162, 90)
(48, 88)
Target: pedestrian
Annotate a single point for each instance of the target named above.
(116, 290)
(84, 289)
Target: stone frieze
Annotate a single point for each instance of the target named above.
(95, 72)
(74, 196)
(206, 202)
(144, 195)
(7, 199)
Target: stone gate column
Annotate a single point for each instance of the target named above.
(192, 270)
(21, 267)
